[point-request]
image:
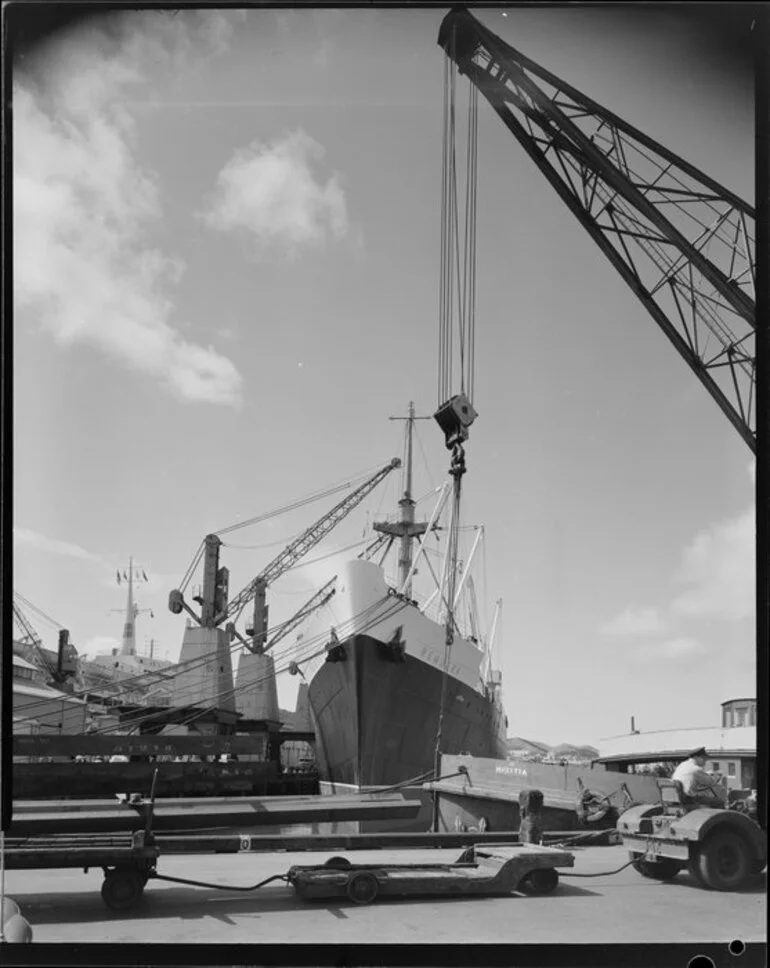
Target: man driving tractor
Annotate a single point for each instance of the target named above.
(698, 785)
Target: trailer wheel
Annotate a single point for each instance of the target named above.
(362, 887)
(724, 860)
(121, 890)
(542, 880)
(337, 863)
(663, 869)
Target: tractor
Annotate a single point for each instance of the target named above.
(720, 847)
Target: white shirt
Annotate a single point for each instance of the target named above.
(697, 782)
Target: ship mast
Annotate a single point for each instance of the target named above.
(128, 646)
(406, 528)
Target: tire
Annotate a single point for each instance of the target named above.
(664, 869)
(592, 808)
(724, 861)
(338, 863)
(693, 868)
(542, 880)
(362, 887)
(122, 890)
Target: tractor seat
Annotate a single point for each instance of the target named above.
(673, 796)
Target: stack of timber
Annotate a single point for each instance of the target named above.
(79, 766)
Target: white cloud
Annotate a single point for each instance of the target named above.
(718, 571)
(83, 205)
(33, 539)
(636, 621)
(272, 192)
(98, 645)
(679, 648)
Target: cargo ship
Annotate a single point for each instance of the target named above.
(387, 679)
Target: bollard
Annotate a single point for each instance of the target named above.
(531, 813)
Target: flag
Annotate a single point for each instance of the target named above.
(144, 575)
(125, 576)
(118, 574)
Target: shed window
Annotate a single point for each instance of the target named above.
(715, 766)
(731, 769)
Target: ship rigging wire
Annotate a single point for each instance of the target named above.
(38, 611)
(259, 519)
(301, 655)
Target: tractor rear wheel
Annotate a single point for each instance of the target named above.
(724, 861)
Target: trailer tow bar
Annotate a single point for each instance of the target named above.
(220, 887)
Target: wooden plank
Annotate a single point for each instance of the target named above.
(146, 745)
(238, 813)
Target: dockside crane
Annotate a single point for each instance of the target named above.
(215, 607)
(65, 665)
(683, 243)
(210, 680)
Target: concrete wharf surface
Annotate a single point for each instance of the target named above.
(66, 906)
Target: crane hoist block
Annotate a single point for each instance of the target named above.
(455, 417)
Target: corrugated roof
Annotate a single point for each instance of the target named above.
(23, 664)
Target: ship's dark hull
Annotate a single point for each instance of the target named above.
(376, 715)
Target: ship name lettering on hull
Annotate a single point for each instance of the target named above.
(435, 659)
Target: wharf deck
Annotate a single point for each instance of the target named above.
(65, 906)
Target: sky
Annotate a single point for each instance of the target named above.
(226, 281)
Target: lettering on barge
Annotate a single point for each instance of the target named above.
(511, 770)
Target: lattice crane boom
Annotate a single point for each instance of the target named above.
(682, 242)
(321, 598)
(301, 545)
(24, 624)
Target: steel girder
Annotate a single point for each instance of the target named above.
(682, 242)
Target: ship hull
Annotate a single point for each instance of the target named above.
(376, 716)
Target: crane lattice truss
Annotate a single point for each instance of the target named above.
(682, 242)
(308, 539)
(321, 598)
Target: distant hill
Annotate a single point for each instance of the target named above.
(583, 752)
(517, 743)
(563, 749)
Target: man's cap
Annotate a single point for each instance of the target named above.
(701, 751)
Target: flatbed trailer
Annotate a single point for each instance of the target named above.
(127, 861)
(490, 869)
(130, 861)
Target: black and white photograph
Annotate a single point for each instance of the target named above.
(385, 521)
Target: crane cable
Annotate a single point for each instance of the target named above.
(457, 283)
(260, 518)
